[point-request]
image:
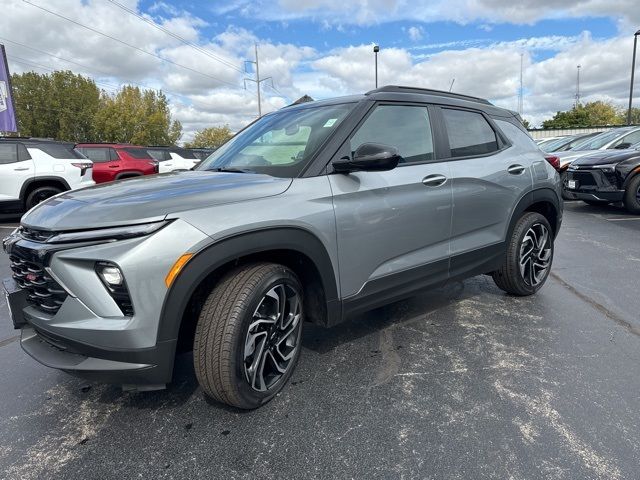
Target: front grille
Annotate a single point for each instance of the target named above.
(43, 292)
(584, 179)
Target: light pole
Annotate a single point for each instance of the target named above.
(376, 49)
(633, 70)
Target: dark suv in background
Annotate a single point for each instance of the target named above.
(116, 161)
(312, 213)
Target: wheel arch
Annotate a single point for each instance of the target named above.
(294, 247)
(36, 182)
(544, 201)
(128, 174)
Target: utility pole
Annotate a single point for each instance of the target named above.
(578, 87)
(258, 80)
(633, 71)
(521, 93)
(376, 49)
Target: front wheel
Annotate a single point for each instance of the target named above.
(632, 195)
(527, 260)
(248, 337)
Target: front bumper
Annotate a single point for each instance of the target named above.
(88, 335)
(593, 184)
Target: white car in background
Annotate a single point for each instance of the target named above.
(173, 158)
(32, 170)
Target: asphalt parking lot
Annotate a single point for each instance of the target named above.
(461, 382)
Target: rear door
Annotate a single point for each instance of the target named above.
(393, 227)
(105, 162)
(489, 176)
(16, 168)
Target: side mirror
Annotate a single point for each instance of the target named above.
(622, 146)
(369, 157)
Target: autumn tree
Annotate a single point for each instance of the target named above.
(60, 105)
(136, 116)
(588, 115)
(211, 137)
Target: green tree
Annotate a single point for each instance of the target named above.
(526, 124)
(136, 116)
(60, 105)
(635, 116)
(588, 115)
(211, 137)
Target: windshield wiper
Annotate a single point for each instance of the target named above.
(230, 170)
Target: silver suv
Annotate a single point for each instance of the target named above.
(312, 213)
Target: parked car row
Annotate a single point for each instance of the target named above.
(32, 170)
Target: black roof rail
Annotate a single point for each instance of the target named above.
(427, 91)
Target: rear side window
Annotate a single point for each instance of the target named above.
(469, 133)
(187, 154)
(405, 127)
(100, 154)
(8, 153)
(139, 153)
(160, 155)
(59, 150)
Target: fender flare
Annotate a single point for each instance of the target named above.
(530, 198)
(229, 249)
(48, 178)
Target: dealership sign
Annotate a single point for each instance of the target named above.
(7, 111)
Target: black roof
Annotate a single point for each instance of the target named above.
(34, 141)
(427, 91)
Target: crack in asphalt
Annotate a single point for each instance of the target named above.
(9, 340)
(599, 307)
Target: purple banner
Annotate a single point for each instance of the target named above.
(7, 111)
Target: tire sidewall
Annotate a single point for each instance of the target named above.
(630, 199)
(522, 229)
(247, 394)
(30, 199)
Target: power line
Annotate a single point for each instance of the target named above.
(128, 44)
(88, 68)
(176, 36)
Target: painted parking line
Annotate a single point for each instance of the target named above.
(622, 219)
(9, 227)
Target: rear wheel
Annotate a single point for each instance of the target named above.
(40, 194)
(248, 337)
(632, 195)
(528, 258)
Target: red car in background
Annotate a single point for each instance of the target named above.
(115, 161)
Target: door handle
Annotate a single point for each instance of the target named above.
(516, 169)
(21, 169)
(114, 166)
(434, 180)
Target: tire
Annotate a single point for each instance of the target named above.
(632, 196)
(596, 203)
(238, 318)
(510, 277)
(40, 194)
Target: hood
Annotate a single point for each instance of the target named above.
(570, 155)
(149, 198)
(605, 157)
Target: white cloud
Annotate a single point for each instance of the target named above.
(415, 33)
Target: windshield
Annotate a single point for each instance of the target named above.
(280, 144)
(597, 142)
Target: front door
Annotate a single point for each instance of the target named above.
(16, 168)
(393, 227)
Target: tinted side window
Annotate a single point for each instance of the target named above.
(159, 155)
(8, 153)
(402, 126)
(631, 138)
(59, 150)
(97, 154)
(138, 153)
(469, 133)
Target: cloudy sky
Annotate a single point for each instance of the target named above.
(194, 50)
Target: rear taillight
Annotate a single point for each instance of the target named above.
(553, 160)
(84, 166)
(156, 166)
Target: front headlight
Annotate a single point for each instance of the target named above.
(113, 233)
